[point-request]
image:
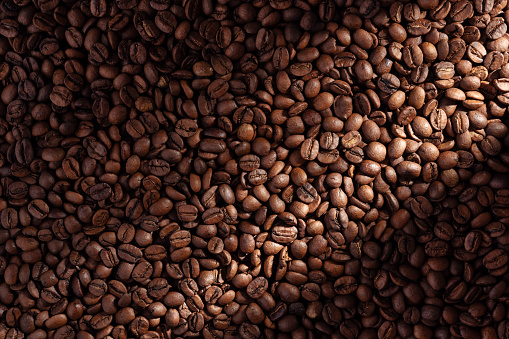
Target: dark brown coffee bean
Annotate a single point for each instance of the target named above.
(284, 234)
(309, 149)
(9, 28)
(345, 285)
(496, 28)
(38, 208)
(495, 259)
(100, 191)
(281, 58)
(61, 96)
(129, 253)
(307, 193)
(436, 248)
(412, 56)
(388, 83)
(257, 287)
(187, 213)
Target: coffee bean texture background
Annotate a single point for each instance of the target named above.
(262, 169)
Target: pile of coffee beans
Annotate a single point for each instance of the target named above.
(254, 169)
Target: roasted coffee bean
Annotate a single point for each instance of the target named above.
(495, 259)
(345, 285)
(309, 149)
(307, 193)
(257, 287)
(284, 234)
(129, 253)
(180, 239)
(100, 191)
(38, 209)
(388, 83)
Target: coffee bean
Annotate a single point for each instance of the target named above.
(496, 28)
(217, 88)
(187, 213)
(100, 191)
(412, 56)
(129, 253)
(436, 248)
(38, 209)
(345, 285)
(309, 149)
(307, 193)
(60, 96)
(257, 287)
(438, 119)
(388, 83)
(284, 234)
(9, 28)
(495, 259)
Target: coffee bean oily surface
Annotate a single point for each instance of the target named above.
(254, 169)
